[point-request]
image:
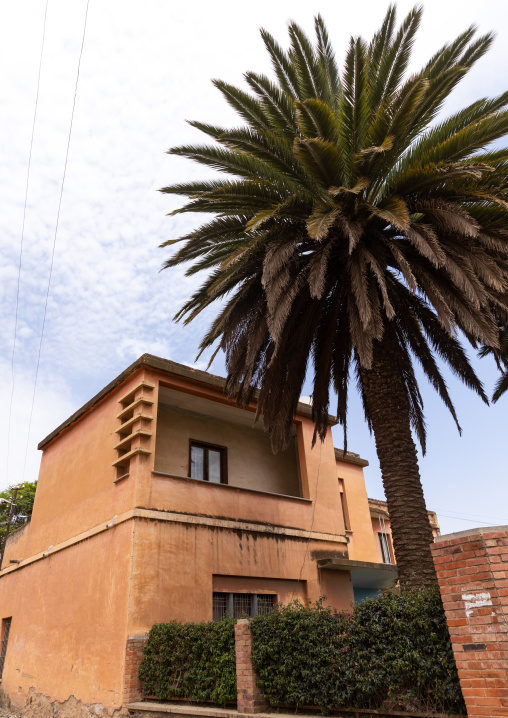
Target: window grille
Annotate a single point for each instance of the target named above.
(219, 606)
(385, 549)
(265, 603)
(242, 603)
(7, 627)
(239, 605)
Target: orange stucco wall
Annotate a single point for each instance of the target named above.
(73, 610)
(168, 584)
(362, 546)
(69, 616)
(75, 489)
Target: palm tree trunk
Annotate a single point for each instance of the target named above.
(388, 407)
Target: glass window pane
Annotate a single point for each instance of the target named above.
(214, 458)
(197, 462)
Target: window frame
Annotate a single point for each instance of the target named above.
(344, 506)
(223, 451)
(384, 544)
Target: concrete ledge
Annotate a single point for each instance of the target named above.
(470, 532)
(182, 709)
(350, 457)
(154, 710)
(172, 517)
(230, 486)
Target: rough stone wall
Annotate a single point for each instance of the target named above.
(39, 705)
(133, 657)
(472, 570)
(249, 698)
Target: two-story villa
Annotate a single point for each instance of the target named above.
(160, 500)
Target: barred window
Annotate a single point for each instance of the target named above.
(6, 627)
(219, 606)
(385, 548)
(240, 605)
(265, 603)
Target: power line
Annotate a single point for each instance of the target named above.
(465, 513)
(472, 521)
(22, 238)
(54, 240)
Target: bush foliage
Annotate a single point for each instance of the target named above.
(191, 660)
(392, 651)
(23, 509)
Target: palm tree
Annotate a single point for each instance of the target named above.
(501, 358)
(353, 230)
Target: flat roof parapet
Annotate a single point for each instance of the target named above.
(165, 365)
(350, 457)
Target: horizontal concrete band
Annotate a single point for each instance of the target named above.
(171, 517)
(176, 709)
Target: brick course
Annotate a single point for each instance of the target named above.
(473, 579)
(133, 657)
(249, 698)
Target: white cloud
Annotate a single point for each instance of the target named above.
(145, 69)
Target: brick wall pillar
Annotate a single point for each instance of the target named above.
(472, 570)
(249, 698)
(133, 657)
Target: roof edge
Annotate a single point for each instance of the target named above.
(350, 458)
(166, 365)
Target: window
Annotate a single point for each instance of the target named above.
(6, 627)
(238, 605)
(385, 548)
(343, 503)
(208, 462)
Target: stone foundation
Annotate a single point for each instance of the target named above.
(39, 705)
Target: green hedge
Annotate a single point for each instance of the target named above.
(388, 652)
(191, 660)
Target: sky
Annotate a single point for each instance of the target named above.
(145, 69)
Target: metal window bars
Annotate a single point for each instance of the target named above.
(6, 630)
(240, 605)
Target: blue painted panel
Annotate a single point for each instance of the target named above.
(361, 594)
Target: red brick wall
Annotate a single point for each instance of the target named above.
(133, 658)
(249, 698)
(472, 570)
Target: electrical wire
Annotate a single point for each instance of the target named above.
(21, 243)
(472, 521)
(54, 239)
(475, 515)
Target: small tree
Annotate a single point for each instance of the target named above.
(22, 510)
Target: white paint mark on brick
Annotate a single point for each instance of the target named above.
(475, 600)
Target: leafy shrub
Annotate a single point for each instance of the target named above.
(191, 660)
(387, 652)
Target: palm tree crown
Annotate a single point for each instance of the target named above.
(354, 229)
